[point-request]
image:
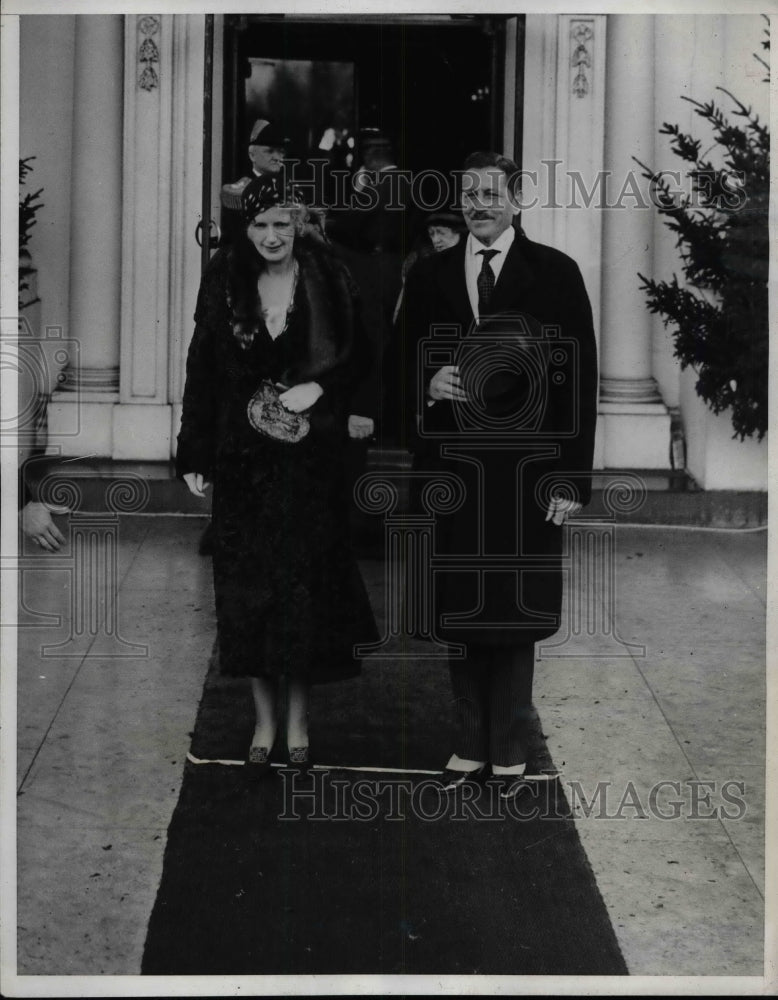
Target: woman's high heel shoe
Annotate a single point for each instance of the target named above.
(258, 762)
(298, 756)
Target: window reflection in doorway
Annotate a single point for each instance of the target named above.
(312, 101)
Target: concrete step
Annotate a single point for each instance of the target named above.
(634, 496)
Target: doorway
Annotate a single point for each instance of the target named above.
(432, 85)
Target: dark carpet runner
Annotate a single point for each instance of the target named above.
(376, 874)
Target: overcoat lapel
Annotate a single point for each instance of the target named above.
(454, 286)
(516, 279)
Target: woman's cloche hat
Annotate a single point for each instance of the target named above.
(262, 193)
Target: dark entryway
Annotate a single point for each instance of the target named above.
(433, 85)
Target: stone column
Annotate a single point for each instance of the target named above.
(635, 424)
(80, 415)
(163, 143)
(142, 420)
(564, 115)
(564, 122)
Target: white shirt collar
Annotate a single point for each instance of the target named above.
(502, 243)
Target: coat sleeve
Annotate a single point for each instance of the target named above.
(361, 376)
(574, 396)
(199, 419)
(344, 380)
(363, 381)
(407, 377)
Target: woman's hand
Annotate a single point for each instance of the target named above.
(561, 508)
(196, 483)
(446, 384)
(301, 397)
(360, 427)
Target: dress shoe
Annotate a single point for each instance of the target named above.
(511, 784)
(451, 779)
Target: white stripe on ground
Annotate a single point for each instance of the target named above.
(583, 521)
(349, 767)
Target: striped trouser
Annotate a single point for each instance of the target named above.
(492, 690)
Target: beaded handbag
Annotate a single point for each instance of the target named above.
(268, 416)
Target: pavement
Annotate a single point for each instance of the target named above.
(652, 698)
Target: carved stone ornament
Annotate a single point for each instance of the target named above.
(148, 53)
(581, 35)
(148, 25)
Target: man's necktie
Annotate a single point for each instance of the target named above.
(485, 282)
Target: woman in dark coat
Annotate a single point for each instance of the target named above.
(290, 602)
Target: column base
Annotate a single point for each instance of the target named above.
(90, 380)
(101, 426)
(80, 426)
(142, 431)
(633, 436)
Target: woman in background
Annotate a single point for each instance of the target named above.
(441, 231)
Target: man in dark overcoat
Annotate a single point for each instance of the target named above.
(500, 385)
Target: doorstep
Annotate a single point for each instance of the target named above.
(628, 496)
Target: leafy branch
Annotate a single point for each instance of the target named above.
(29, 206)
(718, 314)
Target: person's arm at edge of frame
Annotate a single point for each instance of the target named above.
(35, 517)
(197, 436)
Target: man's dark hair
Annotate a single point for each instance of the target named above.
(482, 160)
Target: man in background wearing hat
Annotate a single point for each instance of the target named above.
(370, 237)
(267, 147)
(381, 185)
(501, 381)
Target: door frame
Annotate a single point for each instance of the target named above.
(507, 71)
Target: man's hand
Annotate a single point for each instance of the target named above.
(37, 524)
(561, 508)
(446, 384)
(301, 397)
(360, 427)
(196, 483)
